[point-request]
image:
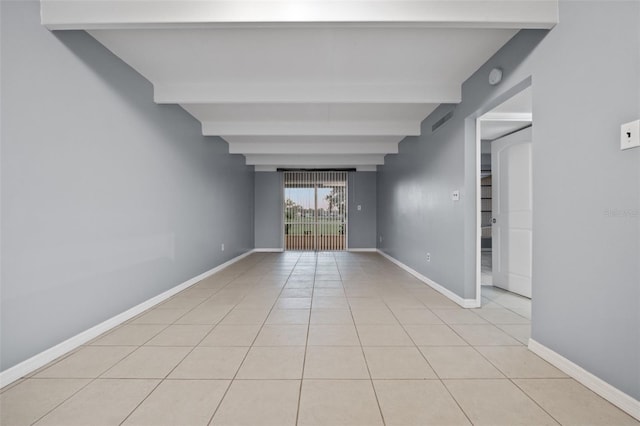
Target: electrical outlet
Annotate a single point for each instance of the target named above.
(359, 207)
(630, 135)
(222, 247)
(428, 257)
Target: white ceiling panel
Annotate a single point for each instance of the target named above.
(92, 14)
(305, 83)
(309, 112)
(313, 148)
(338, 160)
(305, 55)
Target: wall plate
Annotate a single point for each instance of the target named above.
(630, 135)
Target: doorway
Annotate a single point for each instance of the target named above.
(505, 198)
(315, 210)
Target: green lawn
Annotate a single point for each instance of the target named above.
(297, 228)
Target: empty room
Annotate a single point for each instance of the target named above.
(310, 212)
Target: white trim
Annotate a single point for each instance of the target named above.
(306, 128)
(488, 115)
(614, 395)
(310, 147)
(507, 116)
(478, 184)
(26, 367)
(465, 303)
(74, 14)
(364, 250)
(312, 160)
(308, 92)
(268, 250)
(265, 168)
(367, 168)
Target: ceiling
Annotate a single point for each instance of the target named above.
(512, 115)
(304, 83)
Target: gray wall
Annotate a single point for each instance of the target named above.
(268, 210)
(107, 198)
(586, 269)
(415, 213)
(362, 223)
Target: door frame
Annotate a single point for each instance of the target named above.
(476, 120)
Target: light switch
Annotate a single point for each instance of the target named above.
(630, 135)
(359, 207)
(455, 195)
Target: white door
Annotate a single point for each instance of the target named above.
(512, 205)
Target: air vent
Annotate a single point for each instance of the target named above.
(440, 122)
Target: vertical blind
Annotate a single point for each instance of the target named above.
(315, 210)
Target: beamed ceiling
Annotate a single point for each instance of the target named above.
(299, 83)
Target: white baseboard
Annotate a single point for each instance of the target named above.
(615, 396)
(26, 367)
(268, 250)
(465, 303)
(363, 250)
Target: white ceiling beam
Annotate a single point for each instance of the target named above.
(307, 92)
(507, 116)
(312, 148)
(371, 168)
(362, 168)
(118, 14)
(265, 168)
(314, 160)
(374, 128)
(367, 168)
(366, 139)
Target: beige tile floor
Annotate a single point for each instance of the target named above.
(310, 339)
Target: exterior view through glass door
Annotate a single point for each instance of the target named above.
(315, 210)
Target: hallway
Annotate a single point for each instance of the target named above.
(310, 339)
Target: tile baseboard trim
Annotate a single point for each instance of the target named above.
(612, 394)
(465, 303)
(268, 250)
(362, 250)
(41, 359)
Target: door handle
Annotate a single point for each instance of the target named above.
(493, 220)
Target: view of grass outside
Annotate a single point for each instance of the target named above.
(294, 228)
(302, 219)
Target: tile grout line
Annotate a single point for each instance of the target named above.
(306, 345)
(535, 402)
(218, 290)
(65, 400)
(94, 379)
(250, 347)
(162, 380)
(439, 378)
(366, 363)
(511, 379)
(503, 306)
(488, 360)
(500, 370)
(246, 288)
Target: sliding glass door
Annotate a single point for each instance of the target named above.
(315, 210)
